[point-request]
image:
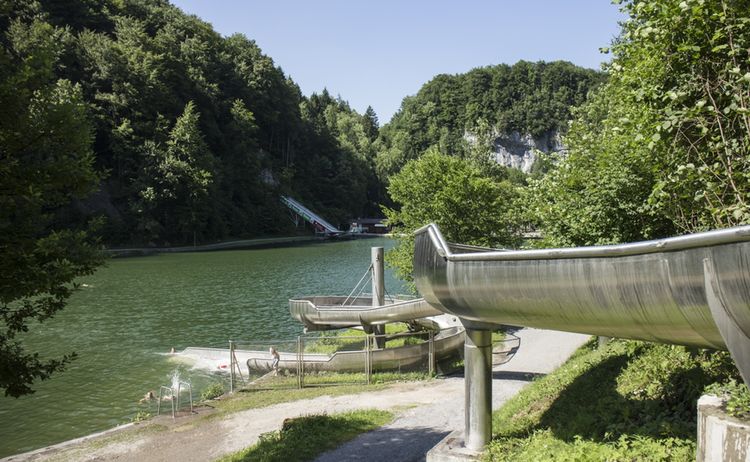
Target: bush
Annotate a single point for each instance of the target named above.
(213, 391)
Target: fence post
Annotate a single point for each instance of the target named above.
(431, 355)
(299, 361)
(231, 367)
(368, 358)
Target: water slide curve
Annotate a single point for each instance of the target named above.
(689, 290)
(334, 312)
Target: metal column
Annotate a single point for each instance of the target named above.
(478, 383)
(378, 291)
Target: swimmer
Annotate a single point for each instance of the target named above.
(172, 351)
(148, 397)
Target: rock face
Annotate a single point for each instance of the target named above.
(519, 151)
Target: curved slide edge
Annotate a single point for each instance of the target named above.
(325, 313)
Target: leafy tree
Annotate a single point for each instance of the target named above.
(178, 180)
(689, 62)
(45, 163)
(597, 193)
(469, 207)
(664, 146)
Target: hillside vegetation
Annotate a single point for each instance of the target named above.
(628, 401)
(527, 98)
(194, 135)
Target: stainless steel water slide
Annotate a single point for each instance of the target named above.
(325, 313)
(688, 290)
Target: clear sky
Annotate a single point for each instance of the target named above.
(377, 52)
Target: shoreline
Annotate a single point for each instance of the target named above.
(425, 409)
(265, 242)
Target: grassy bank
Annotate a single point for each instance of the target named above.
(283, 389)
(304, 438)
(628, 401)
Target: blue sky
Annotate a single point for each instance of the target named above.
(377, 52)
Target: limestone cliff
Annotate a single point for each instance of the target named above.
(519, 151)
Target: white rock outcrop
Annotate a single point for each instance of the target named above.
(519, 151)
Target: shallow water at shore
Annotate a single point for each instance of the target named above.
(134, 310)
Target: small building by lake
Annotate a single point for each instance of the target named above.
(369, 225)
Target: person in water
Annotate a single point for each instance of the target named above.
(149, 396)
(275, 360)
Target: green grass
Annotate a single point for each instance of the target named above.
(328, 378)
(253, 399)
(306, 437)
(628, 401)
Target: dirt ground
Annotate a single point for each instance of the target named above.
(426, 412)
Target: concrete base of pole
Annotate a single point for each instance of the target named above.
(721, 437)
(452, 449)
(478, 388)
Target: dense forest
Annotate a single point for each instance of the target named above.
(194, 135)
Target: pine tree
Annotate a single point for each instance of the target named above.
(371, 123)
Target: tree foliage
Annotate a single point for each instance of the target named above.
(45, 163)
(689, 62)
(663, 147)
(469, 207)
(200, 134)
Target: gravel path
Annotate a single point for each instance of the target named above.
(417, 430)
(427, 411)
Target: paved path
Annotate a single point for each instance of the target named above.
(418, 429)
(427, 412)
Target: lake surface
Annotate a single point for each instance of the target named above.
(131, 312)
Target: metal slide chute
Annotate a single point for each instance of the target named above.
(334, 312)
(689, 290)
(654, 291)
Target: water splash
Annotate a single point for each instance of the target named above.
(175, 379)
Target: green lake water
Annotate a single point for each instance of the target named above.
(132, 311)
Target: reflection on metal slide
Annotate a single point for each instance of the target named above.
(688, 290)
(320, 224)
(325, 313)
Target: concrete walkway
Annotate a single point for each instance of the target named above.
(427, 411)
(417, 430)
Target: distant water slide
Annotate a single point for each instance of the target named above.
(318, 222)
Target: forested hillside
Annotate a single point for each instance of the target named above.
(195, 135)
(473, 114)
